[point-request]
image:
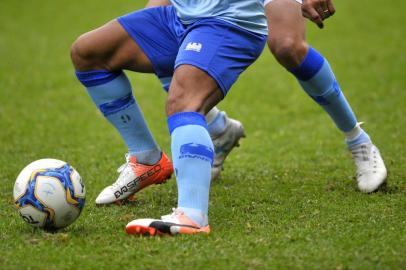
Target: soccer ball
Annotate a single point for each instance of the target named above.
(49, 194)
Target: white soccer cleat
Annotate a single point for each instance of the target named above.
(224, 143)
(133, 177)
(371, 170)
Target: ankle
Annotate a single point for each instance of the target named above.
(149, 157)
(356, 136)
(196, 215)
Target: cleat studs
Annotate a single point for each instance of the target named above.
(151, 231)
(118, 203)
(131, 198)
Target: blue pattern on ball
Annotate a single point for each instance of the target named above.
(63, 175)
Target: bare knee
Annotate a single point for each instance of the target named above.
(82, 54)
(109, 47)
(289, 51)
(192, 90)
(179, 100)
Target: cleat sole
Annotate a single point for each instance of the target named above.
(141, 230)
(164, 180)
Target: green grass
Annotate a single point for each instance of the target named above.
(287, 198)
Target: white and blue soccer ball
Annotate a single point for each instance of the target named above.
(49, 194)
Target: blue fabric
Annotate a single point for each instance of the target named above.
(221, 49)
(103, 93)
(323, 88)
(193, 150)
(186, 118)
(192, 155)
(166, 82)
(362, 138)
(332, 93)
(96, 77)
(248, 14)
(310, 65)
(115, 100)
(117, 105)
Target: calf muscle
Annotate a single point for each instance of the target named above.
(192, 90)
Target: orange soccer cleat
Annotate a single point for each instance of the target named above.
(134, 177)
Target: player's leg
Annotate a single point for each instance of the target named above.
(287, 30)
(194, 90)
(225, 132)
(192, 94)
(99, 58)
(288, 45)
(231, 46)
(157, 3)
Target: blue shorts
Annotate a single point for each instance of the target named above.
(221, 49)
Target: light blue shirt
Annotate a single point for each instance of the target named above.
(247, 14)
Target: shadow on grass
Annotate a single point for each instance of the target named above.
(390, 189)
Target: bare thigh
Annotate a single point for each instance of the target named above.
(287, 31)
(192, 90)
(109, 47)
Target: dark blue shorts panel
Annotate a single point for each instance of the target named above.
(157, 31)
(219, 48)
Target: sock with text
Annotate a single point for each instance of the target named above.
(192, 155)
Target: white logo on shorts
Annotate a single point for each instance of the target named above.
(193, 46)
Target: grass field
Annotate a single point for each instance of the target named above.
(287, 198)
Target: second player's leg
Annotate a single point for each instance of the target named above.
(287, 30)
(313, 72)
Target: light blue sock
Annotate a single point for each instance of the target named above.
(192, 155)
(356, 136)
(317, 79)
(362, 138)
(112, 94)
